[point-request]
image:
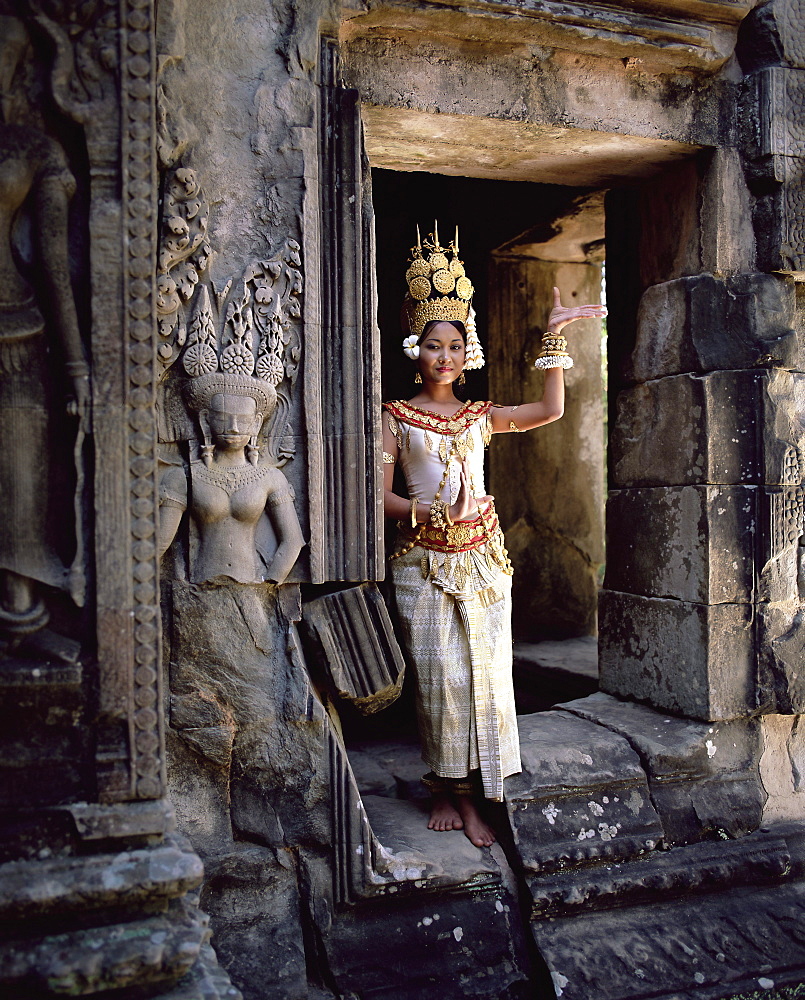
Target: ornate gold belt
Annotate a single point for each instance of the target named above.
(461, 537)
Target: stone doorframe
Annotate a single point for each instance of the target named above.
(705, 254)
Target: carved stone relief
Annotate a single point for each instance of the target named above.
(229, 398)
(38, 321)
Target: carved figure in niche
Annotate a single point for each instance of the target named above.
(39, 337)
(240, 350)
(450, 571)
(229, 491)
(230, 357)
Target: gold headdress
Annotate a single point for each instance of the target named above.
(439, 290)
(242, 343)
(200, 391)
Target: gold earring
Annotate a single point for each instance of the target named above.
(461, 379)
(418, 379)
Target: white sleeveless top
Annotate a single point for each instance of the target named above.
(429, 441)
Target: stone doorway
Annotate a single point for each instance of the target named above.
(518, 239)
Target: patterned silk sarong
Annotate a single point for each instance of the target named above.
(461, 649)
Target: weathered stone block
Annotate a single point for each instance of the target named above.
(351, 640)
(692, 543)
(417, 857)
(58, 886)
(723, 944)
(691, 659)
(703, 323)
(781, 557)
(782, 768)
(781, 657)
(722, 428)
(235, 657)
(121, 821)
(467, 945)
(754, 860)
(252, 898)
(581, 797)
(137, 953)
(200, 795)
(703, 778)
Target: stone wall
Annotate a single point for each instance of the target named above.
(189, 180)
(704, 522)
(548, 486)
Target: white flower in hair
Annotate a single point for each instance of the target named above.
(475, 355)
(411, 347)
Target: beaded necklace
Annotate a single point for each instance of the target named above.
(230, 480)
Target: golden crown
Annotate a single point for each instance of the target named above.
(438, 287)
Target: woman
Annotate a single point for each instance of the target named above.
(451, 574)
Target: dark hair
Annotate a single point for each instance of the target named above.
(453, 322)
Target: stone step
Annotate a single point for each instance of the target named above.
(396, 803)
(430, 859)
(546, 673)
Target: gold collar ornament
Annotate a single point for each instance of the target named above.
(439, 291)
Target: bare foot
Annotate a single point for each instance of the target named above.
(443, 814)
(475, 829)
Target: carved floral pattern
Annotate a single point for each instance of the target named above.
(184, 254)
(139, 163)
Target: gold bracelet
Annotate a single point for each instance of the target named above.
(554, 353)
(414, 502)
(513, 427)
(437, 515)
(446, 514)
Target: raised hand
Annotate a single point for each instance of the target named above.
(561, 316)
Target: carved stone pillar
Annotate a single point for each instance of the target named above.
(343, 389)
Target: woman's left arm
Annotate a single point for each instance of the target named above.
(526, 416)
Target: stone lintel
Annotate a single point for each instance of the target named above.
(670, 35)
(404, 138)
(691, 659)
